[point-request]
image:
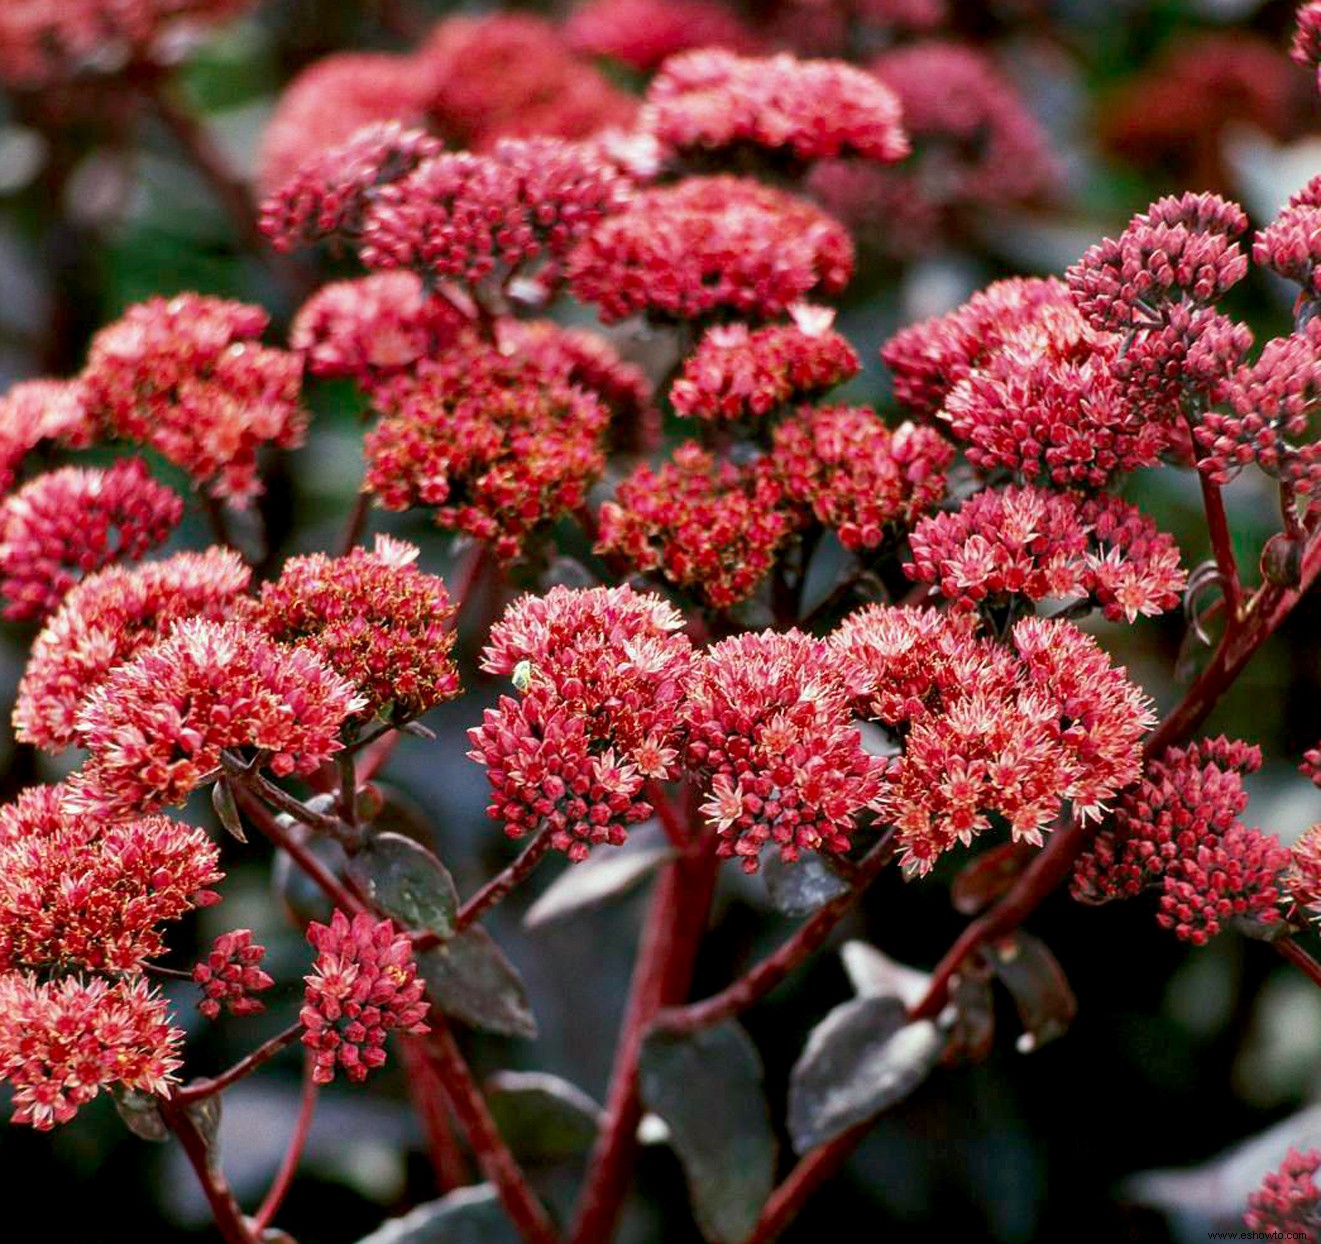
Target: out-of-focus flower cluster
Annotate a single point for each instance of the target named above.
(1288, 1201)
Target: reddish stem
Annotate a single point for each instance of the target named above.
(224, 1208)
(1222, 545)
(1295, 954)
(293, 1154)
(671, 821)
(428, 1097)
(526, 1213)
(787, 1201)
(495, 890)
(356, 525)
(199, 1089)
(676, 920)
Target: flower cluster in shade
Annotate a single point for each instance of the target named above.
(742, 373)
(992, 733)
(188, 377)
(975, 145)
(71, 522)
(83, 893)
(231, 975)
(643, 33)
(770, 732)
(1034, 544)
(158, 723)
(1306, 46)
(364, 985)
(602, 672)
(371, 616)
(38, 413)
(494, 443)
(1179, 831)
(105, 621)
(1287, 1203)
(43, 42)
(708, 524)
(710, 245)
(63, 1041)
(714, 102)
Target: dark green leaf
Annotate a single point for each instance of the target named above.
(407, 882)
(707, 1088)
(465, 1216)
(798, 889)
(470, 979)
(227, 810)
(542, 1118)
(1041, 992)
(605, 874)
(861, 1059)
(140, 1112)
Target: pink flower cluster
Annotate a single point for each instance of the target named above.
(68, 523)
(1291, 244)
(156, 726)
(77, 892)
(1287, 1204)
(36, 412)
(771, 733)
(1031, 543)
(105, 621)
(372, 617)
(63, 1041)
(643, 33)
(708, 525)
(603, 672)
(1303, 879)
(859, 478)
(231, 974)
(709, 245)
(496, 445)
(364, 986)
(1179, 829)
(715, 101)
(741, 373)
(187, 378)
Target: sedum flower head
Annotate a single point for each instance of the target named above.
(1028, 542)
(37, 412)
(231, 974)
(69, 523)
(643, 33)
(104, 621)
(860, 479)
(711, 527)
(711, 245)
(81, 892)
(364, 985)
(716, 101)
(1287, 1203)
(187, 377)
(372, 617)
(772, 735)
(63, 1041)
(157, 725)
(1303, 880)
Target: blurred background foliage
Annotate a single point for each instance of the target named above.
(1177, 1054)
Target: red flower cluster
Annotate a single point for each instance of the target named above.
(1306, 47)
(63, 1041)
(708, 525)
(45, 41)
(1287, 1205)
(603, 672)
(1015, 731)
(372, 617)
(1291, 243)
(187, 377)
(642, 33)
(373, 327)
(711, 101)
(78, 892)
(857, 476)
(511, 75)
(364, 986)
(71, 522)
(1303, 880)
(741, 373)
(771, 732)
(328, 196)
(1037, 544)
(709, 245)
(231, 974)
(465, 217)
(1179, 829)
(1182, 248)
(105, 621)
(155, 728)
(494, 444)
(34, 412)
